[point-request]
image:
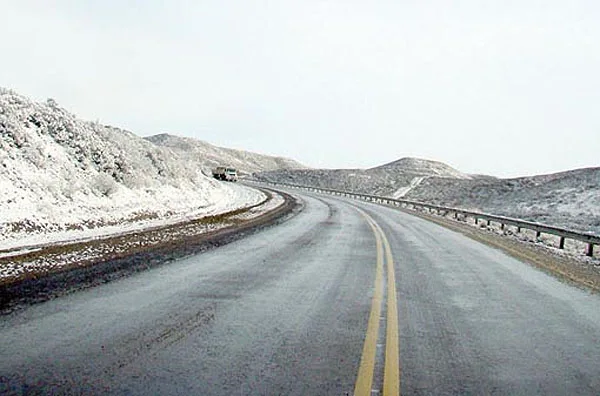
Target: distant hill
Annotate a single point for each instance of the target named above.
(209, 156)
(421, 167)
(568, 199)
(392, 179)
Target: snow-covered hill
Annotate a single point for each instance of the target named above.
(421, 167)
(61, 177)
(209, 156)
(568, 199)
(393, 179)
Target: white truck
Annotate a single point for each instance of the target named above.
(225, 173)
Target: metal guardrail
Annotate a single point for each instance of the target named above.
(589, 239)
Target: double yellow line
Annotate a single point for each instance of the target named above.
(391, 372)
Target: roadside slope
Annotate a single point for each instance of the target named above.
(567, 199)
(62, 177)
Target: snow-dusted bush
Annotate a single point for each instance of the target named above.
(104, 185)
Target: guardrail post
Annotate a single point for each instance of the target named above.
(590, 250)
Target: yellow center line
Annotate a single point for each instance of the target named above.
(391, 372)
(364, 379)
(391, 376)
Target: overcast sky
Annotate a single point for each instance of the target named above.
(507, 88)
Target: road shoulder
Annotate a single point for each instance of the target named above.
(568, 269)
(125, 255)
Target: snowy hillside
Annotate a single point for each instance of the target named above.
(421, 167)
(209, 156)
(393, 179)
(568, 199)
(60, 175)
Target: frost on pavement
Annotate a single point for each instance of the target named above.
(62, 178)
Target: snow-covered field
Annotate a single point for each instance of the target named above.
(62, 178)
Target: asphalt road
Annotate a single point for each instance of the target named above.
(307, 307)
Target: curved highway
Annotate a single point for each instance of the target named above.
(344, 298)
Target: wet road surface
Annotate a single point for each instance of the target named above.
(307, 308)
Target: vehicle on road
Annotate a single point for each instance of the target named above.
(225, 173)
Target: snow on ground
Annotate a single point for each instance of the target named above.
(568, 199)
(402, 191)
(421, 167)
(382, 180)
(25, 263)
(232, 198)
(62, 178)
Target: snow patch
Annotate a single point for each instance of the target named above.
(402, 191)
